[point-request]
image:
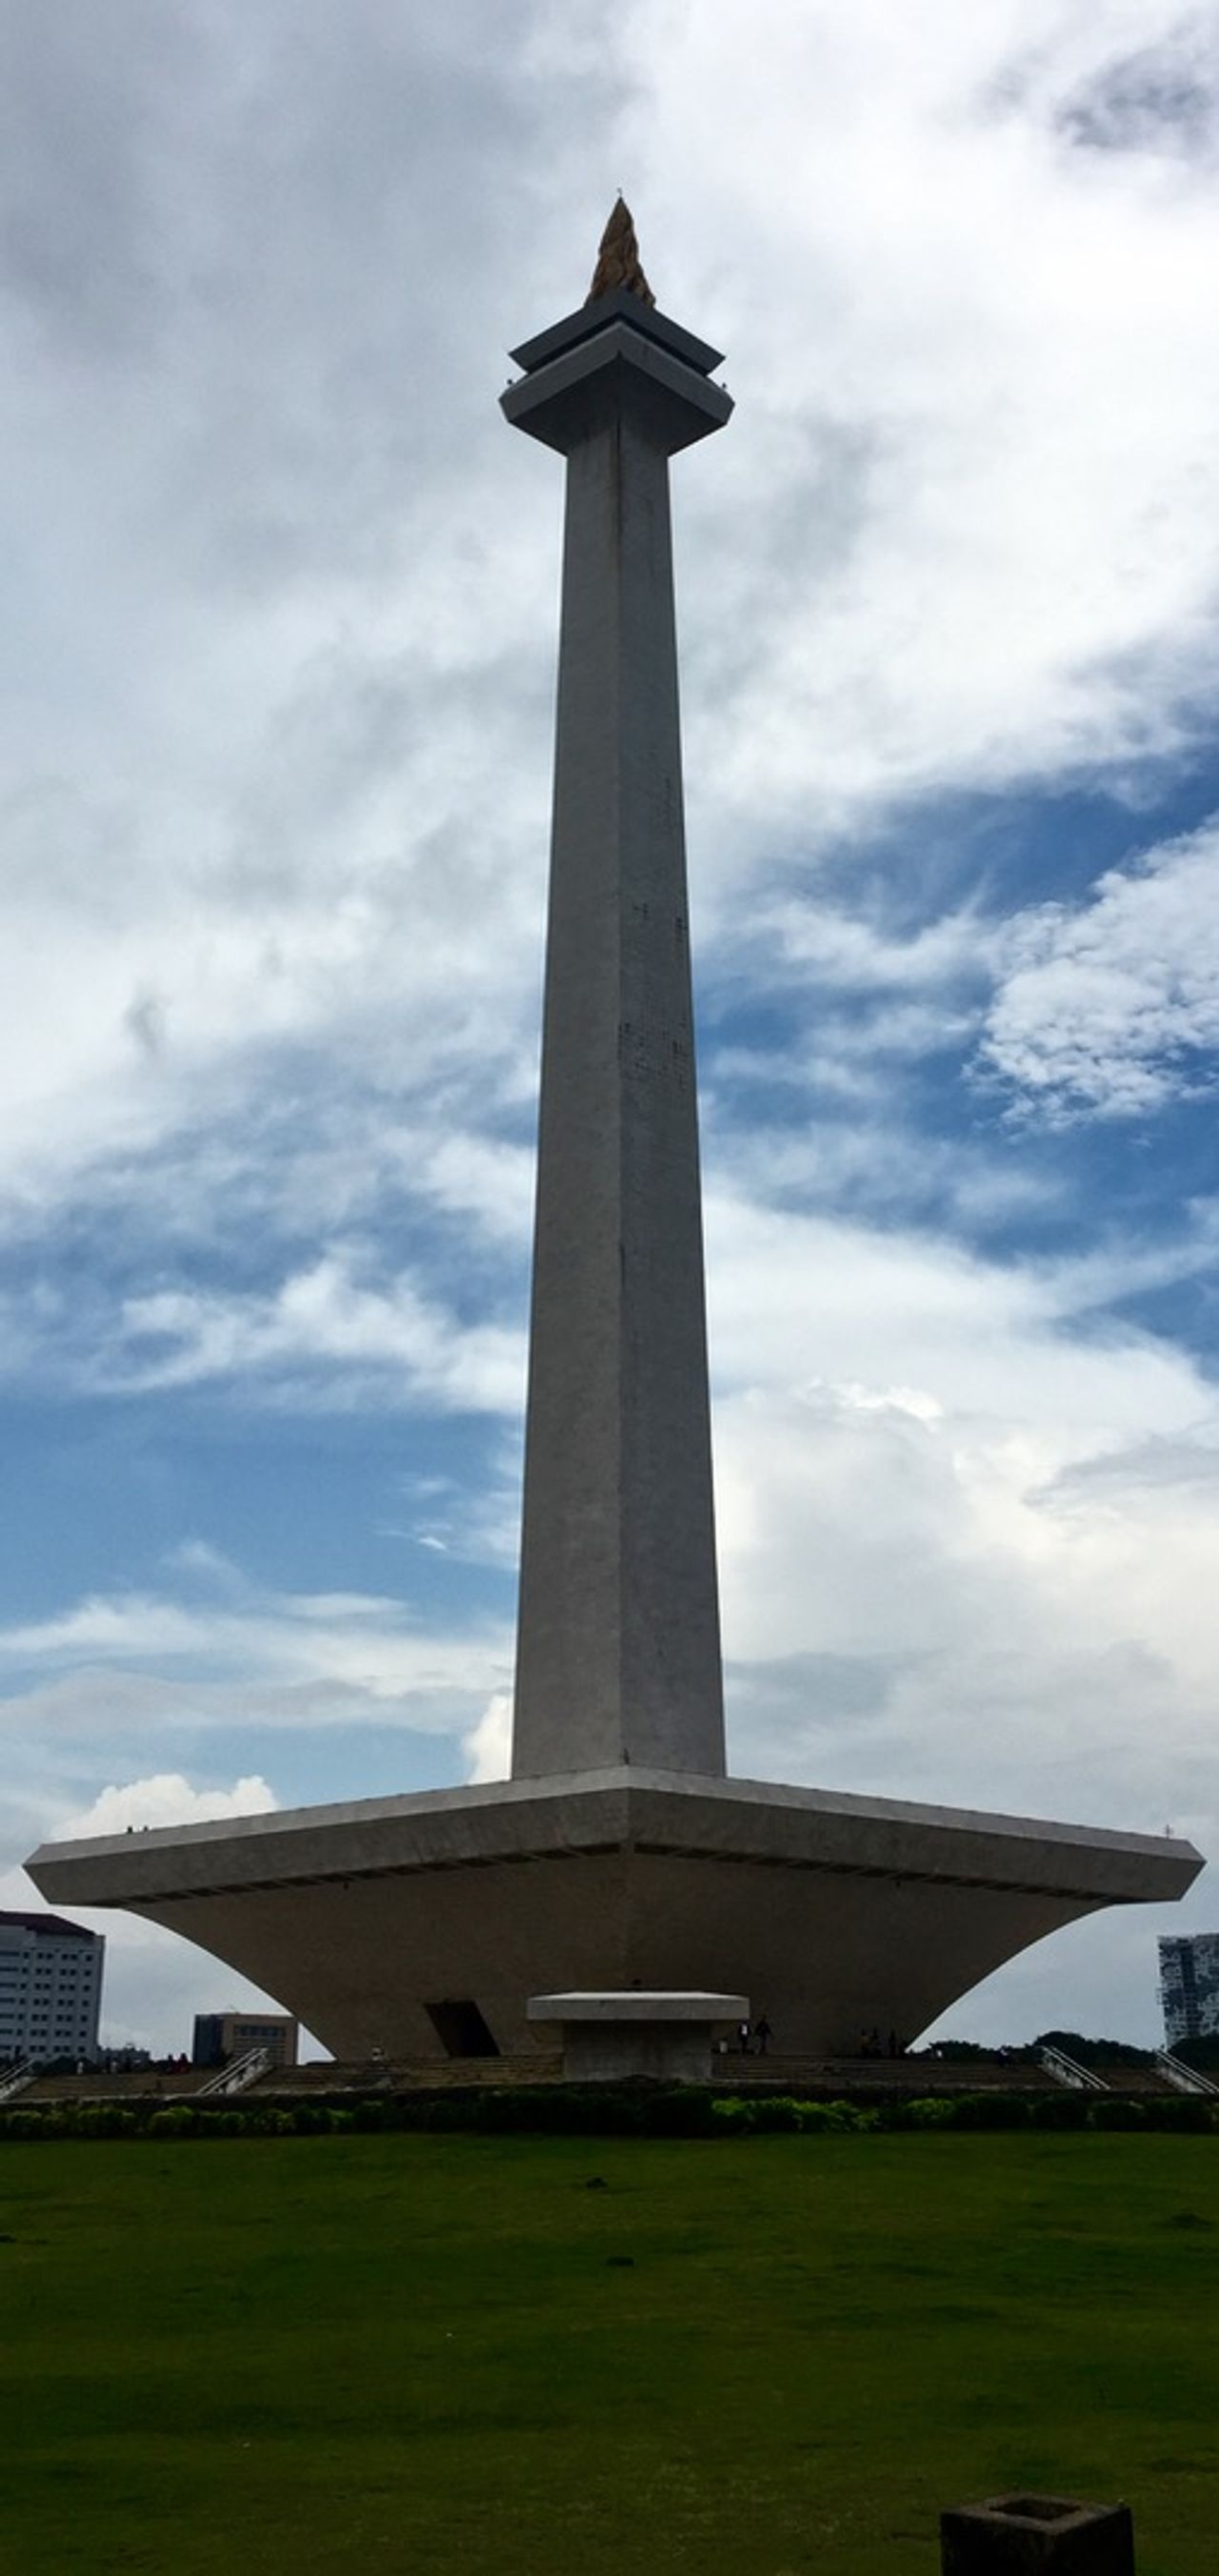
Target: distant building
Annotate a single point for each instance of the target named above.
(221, 2036)
(50, 1988)
(1189, 1986)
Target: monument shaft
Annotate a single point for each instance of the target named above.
(618, 1654)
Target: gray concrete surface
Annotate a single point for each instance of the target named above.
(836, 1915)
(618, 1656)
(641, 2004)
(631, 2035)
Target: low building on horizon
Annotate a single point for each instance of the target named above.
(220, 2037)
(50, 1989)
(1189, 1986)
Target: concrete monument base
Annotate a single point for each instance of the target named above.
(423, 1925)
(638, 2036)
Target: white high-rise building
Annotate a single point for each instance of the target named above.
(50, 1988)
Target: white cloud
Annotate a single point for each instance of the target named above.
(858, 956)
(487, 1749)
(284, 1658)
(961, 529)
(154, 1982)
(968, 394)
(1112, 1005)
(112, 1684)
(324, 1317)
(166, 1798)
(197, 1556)
(797, 1300)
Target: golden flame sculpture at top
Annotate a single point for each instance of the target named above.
(618, 261)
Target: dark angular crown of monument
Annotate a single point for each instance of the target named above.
(618, 261)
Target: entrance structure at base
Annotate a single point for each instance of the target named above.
(621, 2038)
(619, 1855)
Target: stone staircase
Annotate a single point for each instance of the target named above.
(129, 2084)
(831, 2078)
(406, 2075)
(814, 2078)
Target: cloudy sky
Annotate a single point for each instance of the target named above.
(274, 765)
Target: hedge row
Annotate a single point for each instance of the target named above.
(682, 2112)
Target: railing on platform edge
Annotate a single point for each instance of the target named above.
(1067, 2070)
(239, 2072)
(1187, 2079)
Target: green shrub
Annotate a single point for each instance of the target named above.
(1115, 2113)
(311, 2119)
(23, 2124)
(829, 2117)
(1190, 2111)
(990, 2111)
(174, 2120)
(621, 2111)
(1059, 2110)
(100, 2120)
(931, 2111)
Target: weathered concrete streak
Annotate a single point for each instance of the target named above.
(619, 1646)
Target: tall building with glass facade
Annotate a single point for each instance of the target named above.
(1189, 1986)
(50, 1989)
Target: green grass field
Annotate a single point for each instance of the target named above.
(380, 2353)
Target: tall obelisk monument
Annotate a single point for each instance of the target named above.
(427, 1925)
(618, 1656)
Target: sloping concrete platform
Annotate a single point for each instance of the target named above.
(835, 1914)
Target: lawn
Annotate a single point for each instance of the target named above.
(365, 2353)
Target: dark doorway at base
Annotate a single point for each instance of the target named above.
(461, 2030)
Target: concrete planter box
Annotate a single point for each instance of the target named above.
(1036, 2535)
